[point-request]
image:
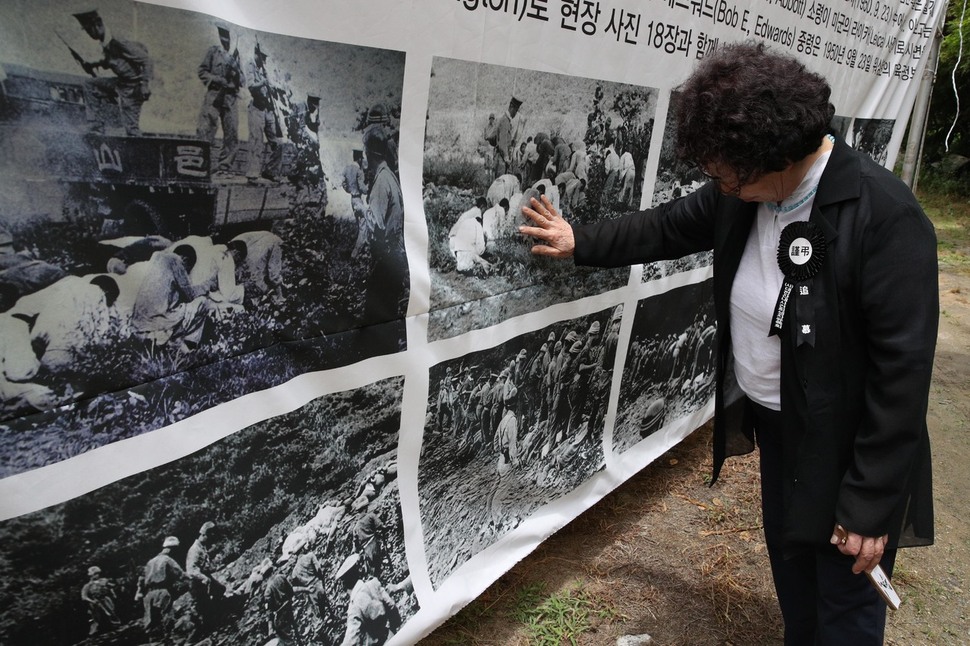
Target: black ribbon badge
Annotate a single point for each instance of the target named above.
(801, 251)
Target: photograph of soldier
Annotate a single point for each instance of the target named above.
(510, 429)
(557, 146)
(237, 543)
(206, 590)
(506, 137)
(308, 575)
(181, 278)
(265, 131)
(385, 215)
(129, 88)
(158, 585)
(372, 616)
(100, 596)
(669, 368)
(222, 75)
(356, 186)
(279, 596)
(487, 146)
(380, 118)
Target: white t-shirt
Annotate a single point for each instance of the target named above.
(757, 356)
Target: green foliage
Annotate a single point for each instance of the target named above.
(527, 599)
(936, 178)
(943, 104)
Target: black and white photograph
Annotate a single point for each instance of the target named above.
(669, 368)
(189, 211)
(675, 178)
(843, 126)
(495, 138)
(510, 429)
(289, 529)
(871, 136)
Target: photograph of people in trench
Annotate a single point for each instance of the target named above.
(669, 368)
(510, 429)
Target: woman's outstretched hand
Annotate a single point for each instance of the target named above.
(553, 235)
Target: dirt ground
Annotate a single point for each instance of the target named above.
(669, 556)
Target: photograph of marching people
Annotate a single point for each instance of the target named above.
(497, 136)
(669, 368)
(189, 211)
(509, 429)
(289, 529)
(675, 178)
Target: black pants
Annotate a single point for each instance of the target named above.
(822, 602)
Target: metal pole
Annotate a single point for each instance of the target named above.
(918, 120)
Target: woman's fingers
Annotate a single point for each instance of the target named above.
(553, 234)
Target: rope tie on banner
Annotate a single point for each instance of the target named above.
(953, 76)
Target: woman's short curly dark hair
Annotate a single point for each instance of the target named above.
(751, 110)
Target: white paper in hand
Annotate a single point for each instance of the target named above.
(884, 587)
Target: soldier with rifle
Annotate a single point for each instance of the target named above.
(222, 74)
(133, 71)
(77, 57)
(264, 128)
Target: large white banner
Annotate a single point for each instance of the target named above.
(275, 362)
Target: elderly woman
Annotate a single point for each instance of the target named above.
(825, 289)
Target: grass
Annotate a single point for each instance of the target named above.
(560, 617)
(950, 213)
(543, 618)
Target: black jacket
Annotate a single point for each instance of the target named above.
(854, 403)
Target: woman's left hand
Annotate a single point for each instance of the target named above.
(867, 550)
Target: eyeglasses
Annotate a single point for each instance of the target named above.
(742, 181)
